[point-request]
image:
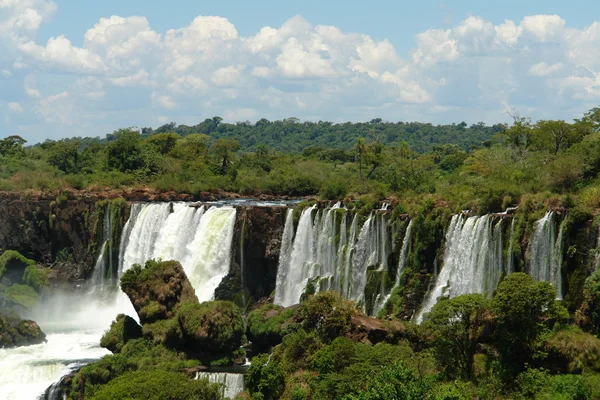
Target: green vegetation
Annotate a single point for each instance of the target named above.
(156, 385)
(478, 167)
(21, 281)
(518, 345)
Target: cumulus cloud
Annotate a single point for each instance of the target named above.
(124, 67)
(16, 107)
(543, 69)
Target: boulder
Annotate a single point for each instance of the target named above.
(157, 289)
(122, 330)
(15, 331)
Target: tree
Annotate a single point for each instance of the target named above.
(12, 145)
(163, 142)
(556, 134)
(520, 133)
(361, 151)
(191, 147)
(457, 325)
(64, 155)
(588, 315)
(224, 149)
(592, 117)
(522, 309)
(124, 153)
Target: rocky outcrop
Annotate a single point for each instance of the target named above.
(157, 290)
(171, 315)
(15, 331)
(261, 229)
(122, 330)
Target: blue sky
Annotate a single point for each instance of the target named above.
(72, 68)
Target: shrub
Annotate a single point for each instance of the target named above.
(265, 325)
(328, 314)
(215, 326)
(123, 329)
(157, 385)
(265, 378)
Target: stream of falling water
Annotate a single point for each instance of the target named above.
(473, 261)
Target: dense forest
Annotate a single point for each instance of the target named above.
(479, 168)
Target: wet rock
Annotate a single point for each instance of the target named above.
(15, 331)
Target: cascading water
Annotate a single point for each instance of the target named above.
(209, 254)
(472, 260)
(545, 252)
(201, 241)
(324, 253)
(232, 384)
(384, 297)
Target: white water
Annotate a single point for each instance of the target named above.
(233, 384)
(385, 296)
(322, 251)
(73, 330)
(472, 260)
(510, 267)
(545, 253)
(201, 241)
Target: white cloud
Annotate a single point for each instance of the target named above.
(124, 70)
(543, 27)
(543, 69)
(16, 107)
(164, 101)
(24, 16)
(31, 92)
(55, 109)
(227, 76)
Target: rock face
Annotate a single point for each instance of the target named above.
(15, 331)
(261, 229)
(157, 290)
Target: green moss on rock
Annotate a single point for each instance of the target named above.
(122, 330)
(215, 326)
(157, 289)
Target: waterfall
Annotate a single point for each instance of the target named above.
(294, 270)
(384, 297)
(510, 267)
(284, 257)
(545, 252)
(472, 260)
(104, 263)
(232, 384)
(324, 253)
(200, 240)
(209, 254)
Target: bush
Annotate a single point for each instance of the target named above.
(265, 325)
(328, 314)
(265, 379)
(123, 329)
(538, 384)
(157, 385)
(215, 326)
